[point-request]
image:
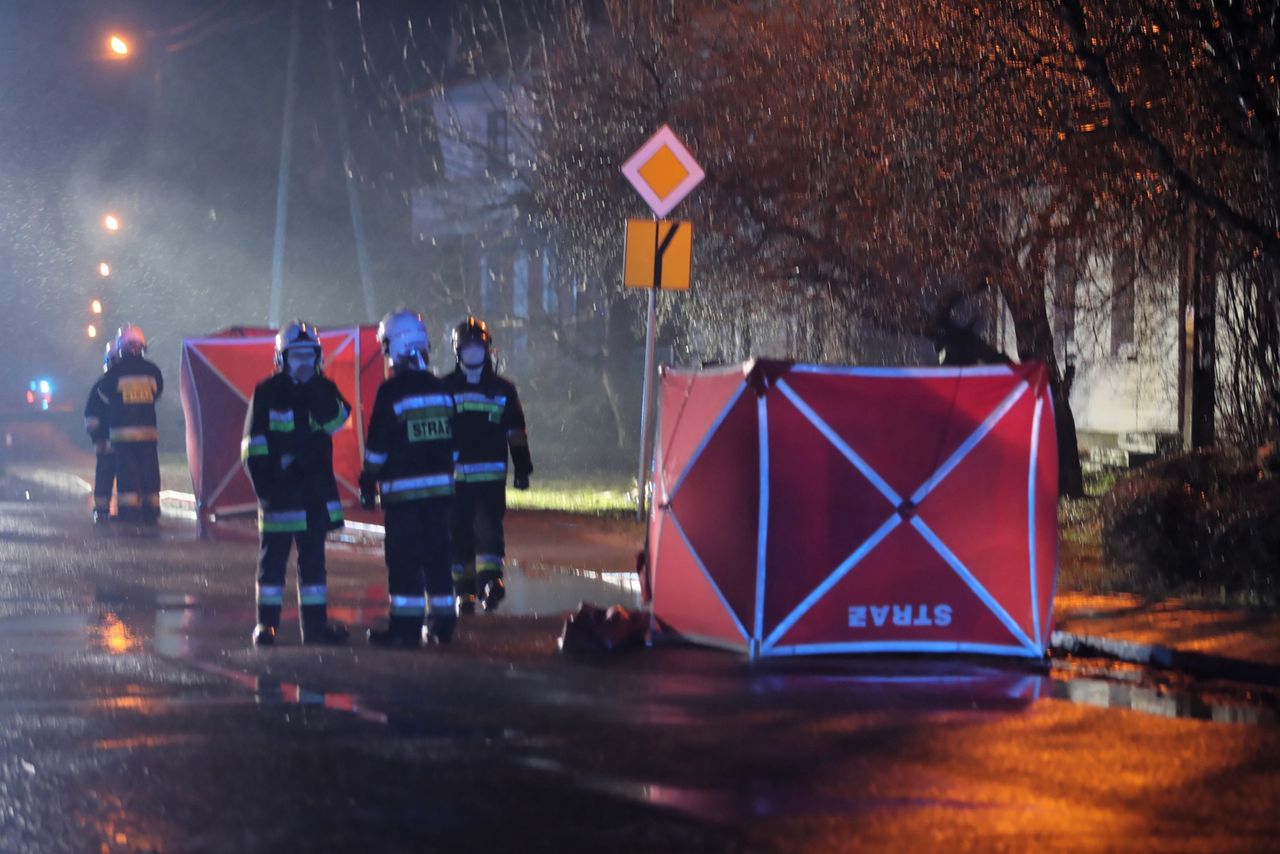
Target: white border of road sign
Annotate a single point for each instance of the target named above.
(664, 137)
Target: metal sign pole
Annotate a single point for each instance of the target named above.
(642, 475)
(660, 246)
(663, 172)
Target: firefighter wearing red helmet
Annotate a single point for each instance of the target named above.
(97, 424)
(489, 423)
(129, 390)
(288, 450)
(408, 461)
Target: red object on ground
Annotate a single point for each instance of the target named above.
(806, 509)
(219, 374)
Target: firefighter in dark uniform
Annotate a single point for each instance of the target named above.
(288, 449)
(408, 460)
(489, 421)
(130, 389)
(97, 425)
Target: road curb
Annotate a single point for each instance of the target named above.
(1198, 664)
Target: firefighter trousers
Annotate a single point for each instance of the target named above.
(417, 555)
(137, 481)
(273, 561)
(104, 480)
(478, 544)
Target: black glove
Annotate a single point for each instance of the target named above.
(368, 492)
(521, 481)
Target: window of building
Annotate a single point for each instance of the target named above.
(488, 287)
(520, 285)
(1123, 311)
(497, 141)
(550, 299)
(1064, 307)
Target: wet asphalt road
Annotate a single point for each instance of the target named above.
(134, 716)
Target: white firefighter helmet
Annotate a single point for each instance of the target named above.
(130, 339)
(296, 335)
(110, 355)
(403, 337)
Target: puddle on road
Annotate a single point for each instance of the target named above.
(759, 799)
(176, 626)
(543, 592)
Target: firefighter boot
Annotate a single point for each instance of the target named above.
(492, 590)
(316, 628)
(401, 633)
(264, 633)
(464, 588)
(439, 628)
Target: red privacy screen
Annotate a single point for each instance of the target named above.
(811, 509)
(219, 373)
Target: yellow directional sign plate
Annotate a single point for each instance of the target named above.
(647, 241)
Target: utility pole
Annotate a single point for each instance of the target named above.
(282, 183)
(348, 171)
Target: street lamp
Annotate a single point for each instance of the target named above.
(96, 306)
(104, 269)
(111, 223)
(119, 47)
(92, 331)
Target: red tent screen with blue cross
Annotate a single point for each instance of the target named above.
(803, 509)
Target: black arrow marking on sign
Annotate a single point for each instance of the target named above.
(660, 249)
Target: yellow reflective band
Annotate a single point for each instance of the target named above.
(134, 434)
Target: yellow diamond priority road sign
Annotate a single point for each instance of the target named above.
(663, 171)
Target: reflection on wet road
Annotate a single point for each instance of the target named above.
(135, 716)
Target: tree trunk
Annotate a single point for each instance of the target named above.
(621, 373)
(1035, 341)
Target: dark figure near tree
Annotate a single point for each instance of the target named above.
(959, 345)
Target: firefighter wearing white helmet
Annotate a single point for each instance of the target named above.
(129, 390)
(97, 424)
(288, 450)
(489, 424)
(408, 461)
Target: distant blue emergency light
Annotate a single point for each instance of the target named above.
(40, 393)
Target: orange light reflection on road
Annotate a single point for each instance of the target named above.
(114, 636)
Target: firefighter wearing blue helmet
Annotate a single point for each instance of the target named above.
(408, 464)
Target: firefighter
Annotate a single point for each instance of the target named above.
(129, 390)
(489, 421)
(97, 425)
(408, 460)
(288, 449)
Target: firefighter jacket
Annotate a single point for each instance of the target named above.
(489, 420)
(288, 449)
(409, 444)
(96, 414)
(129, 390)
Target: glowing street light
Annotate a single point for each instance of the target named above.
(96, 306)
(111, 223)
(119, 47)
(104, 269)
(92, 331)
